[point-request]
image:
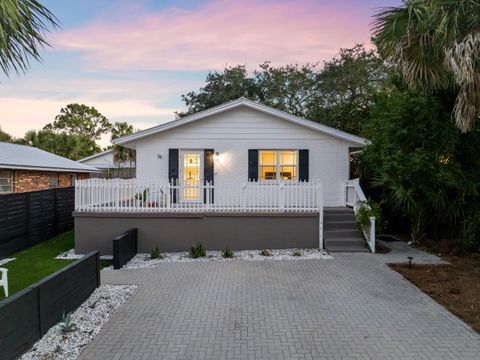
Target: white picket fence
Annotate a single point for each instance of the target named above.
(130, 195)
(354, 197)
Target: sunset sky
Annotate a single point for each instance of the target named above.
(133, 59)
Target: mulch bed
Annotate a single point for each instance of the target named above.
(455, 286)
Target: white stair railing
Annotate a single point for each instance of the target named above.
(354, 197)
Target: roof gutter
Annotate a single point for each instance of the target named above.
(19, 167)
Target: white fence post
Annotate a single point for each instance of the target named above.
(372, 234)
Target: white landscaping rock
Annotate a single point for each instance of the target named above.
(71, 255)
(88, 318)
(143, 261)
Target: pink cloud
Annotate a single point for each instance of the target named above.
(220, 32)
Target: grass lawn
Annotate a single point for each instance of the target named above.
(38, 261)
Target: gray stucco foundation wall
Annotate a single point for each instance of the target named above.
(177, 232)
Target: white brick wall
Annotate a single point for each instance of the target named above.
(232, 133)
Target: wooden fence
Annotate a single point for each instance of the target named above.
(32, 217)
(26, 316)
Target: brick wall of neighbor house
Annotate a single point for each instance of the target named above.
(26, 180)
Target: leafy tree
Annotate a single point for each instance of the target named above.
(5, 137)
(290, 88)
(23, 24)
(71, 146)
(80, 119)
(220, 87)
(122, 154)
(436, 45)
(340, 95)
(422, 166)
(348, 87)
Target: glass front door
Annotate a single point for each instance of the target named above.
(191, 170)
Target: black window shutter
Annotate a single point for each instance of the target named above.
(208, 171)
(253, 164)
(173, 171)
(303, 165)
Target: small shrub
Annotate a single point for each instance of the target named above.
(296, 253)
(66, 325)
(155, 253)
(227, 253)
(367, 209)
(265, 252)
(198, 250)
(92, 305)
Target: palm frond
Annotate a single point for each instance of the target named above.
(23, 24)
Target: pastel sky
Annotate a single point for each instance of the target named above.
(133, 60)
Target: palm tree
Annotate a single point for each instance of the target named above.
(436, 46)
(23, 24)
(120, 153)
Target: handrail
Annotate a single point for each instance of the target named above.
(354, 197)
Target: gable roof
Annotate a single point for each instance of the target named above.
(357, 140)
(96, 155)
(14, 156)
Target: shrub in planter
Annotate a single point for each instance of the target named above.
(265, 252)
(155, 253)
(296, 253)
(67, 325)
(198, 250)
(227, 253)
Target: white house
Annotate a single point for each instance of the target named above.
(256, 176)
(110, 168)
(241, 141)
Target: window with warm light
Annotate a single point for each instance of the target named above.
(277, 164)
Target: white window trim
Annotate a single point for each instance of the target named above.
(278, 165)
(11, 182)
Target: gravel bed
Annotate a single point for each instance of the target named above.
(71, 255)
(88, 319)
(143, 261)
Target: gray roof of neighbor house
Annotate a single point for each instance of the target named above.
(14, 156)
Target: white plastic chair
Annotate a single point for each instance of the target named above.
(4, 280)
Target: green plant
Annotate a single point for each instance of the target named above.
(296, 252)
(198, 250)
(66, 325)
(366, 210)
(155, 253)
(58, 349)
(265, 252)
(227, 253)
(92, 305)
(143, 196)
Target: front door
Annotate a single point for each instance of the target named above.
(191, 171)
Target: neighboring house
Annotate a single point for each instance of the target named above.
(110, 168)
(26, 168)
(257, 176)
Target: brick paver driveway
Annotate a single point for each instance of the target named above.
(351, 306)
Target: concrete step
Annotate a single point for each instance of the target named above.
(338, 210)
(338, 217)
(340, 225)
(347, 248)
(342, 234)
(345, 241)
